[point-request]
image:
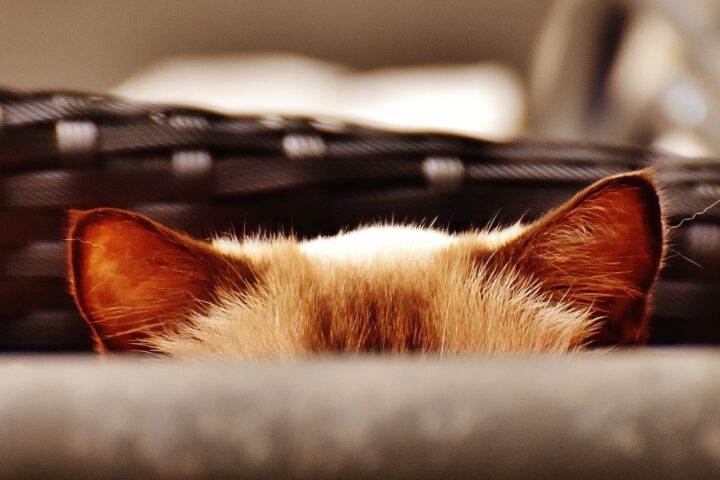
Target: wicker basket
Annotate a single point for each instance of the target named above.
(203, 173)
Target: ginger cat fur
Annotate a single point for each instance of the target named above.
(580, 276)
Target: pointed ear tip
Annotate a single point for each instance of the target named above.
(80, 229)
(642, 187)
(76, 216)
(643, 179)
(644, 192)
(79, 219)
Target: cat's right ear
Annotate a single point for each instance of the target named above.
(130, 276)
(601, 252)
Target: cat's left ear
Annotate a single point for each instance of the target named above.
(131, 277)
(600, 251)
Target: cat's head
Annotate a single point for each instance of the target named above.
(579, 276)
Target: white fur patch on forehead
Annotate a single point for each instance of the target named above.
(232, 246)
(386, 241)
(494, 239)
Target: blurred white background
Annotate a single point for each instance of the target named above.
(94, 44)
(622, 71)
(412, 64)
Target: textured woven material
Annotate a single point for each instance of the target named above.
(204, 173)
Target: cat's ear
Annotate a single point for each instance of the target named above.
(601, 251)
(130, 276)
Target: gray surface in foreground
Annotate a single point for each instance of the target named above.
(646, 414)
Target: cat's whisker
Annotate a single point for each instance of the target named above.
(672, 253)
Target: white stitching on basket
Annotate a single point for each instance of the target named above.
(191, 162)
(75, 136)
(445, 173)
(303, 146)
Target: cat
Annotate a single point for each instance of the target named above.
(580, 276)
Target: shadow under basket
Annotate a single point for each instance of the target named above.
(205, 173)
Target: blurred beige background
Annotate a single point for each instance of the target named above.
(93, 45)
(621, 71)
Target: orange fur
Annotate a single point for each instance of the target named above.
(579, 276)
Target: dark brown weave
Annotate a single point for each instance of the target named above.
(203, 173)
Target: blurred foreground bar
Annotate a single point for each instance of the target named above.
(643, 414)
